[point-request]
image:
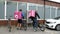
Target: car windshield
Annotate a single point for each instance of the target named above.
(57, 18)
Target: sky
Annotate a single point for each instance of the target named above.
(55, 1)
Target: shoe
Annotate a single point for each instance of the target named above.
(20, 28)
(17, 28)
(35, 30)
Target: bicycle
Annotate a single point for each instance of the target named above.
(42, 27)
(9, 23)
(24, 25)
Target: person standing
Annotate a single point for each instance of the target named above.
(19, 18)
(33, 16)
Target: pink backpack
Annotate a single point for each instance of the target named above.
(17, 15)
(31, 13)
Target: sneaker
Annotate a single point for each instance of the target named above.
(17, 28)
(20, 28)
(35, 30)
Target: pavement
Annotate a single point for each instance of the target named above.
(4, 30)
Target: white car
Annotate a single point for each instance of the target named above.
(53, 23)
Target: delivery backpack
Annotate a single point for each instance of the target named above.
(31, 13)
(17, 15)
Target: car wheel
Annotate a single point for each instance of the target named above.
(58, 27)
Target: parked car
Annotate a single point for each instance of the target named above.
(53, 23)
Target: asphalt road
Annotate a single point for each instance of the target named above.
(4, 30)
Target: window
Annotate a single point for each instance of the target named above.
(41, 11)
(2, 10)
(32, 7)
(58, 12)
(11, 7)
(53, 12)
(23, 6)
(47, 12)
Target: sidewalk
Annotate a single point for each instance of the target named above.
(4, 30)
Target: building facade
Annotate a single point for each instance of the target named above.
(7, 8)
